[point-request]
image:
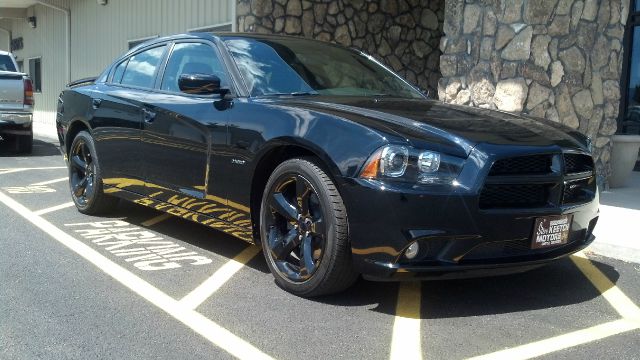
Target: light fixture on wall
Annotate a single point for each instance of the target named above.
(32, 21)
(102, 2)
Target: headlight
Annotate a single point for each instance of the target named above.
(406, 164)
(394, 160)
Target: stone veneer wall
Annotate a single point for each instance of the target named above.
(403, 34)
(557, 59)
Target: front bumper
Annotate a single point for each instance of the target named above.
(16, 123)
(456, 237)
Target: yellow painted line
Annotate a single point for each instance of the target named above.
(561, 342)
(200, 294)
(621, 302)
(157, 219)
(54, 208)
(208, 329)
(405, 342)
(66, 178)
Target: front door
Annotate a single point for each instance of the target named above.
(181, 131)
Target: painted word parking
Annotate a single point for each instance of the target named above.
(146, 250)
(135, 283)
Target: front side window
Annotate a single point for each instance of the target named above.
(286, 66)
(141, 68)
(192, 58)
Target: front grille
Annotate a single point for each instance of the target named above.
(500, 249)
(579, 191)
(510, 185)
(577, 163)
(514, 196)
(522, 165)
(511, 248)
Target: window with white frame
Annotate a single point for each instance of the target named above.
(35, 73)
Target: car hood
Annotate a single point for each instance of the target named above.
(433, 121)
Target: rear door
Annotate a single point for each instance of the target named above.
(180, 130)
(118, 117)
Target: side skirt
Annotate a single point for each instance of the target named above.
(241, 232)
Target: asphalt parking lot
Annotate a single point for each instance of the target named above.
(139, 284)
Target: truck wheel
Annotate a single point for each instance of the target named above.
(85, 181)
(304, 231)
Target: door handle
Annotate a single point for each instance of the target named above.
(95, 103)
(149, 116)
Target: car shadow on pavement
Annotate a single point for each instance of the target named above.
(197, 235)
(40, 148)
(557, 284)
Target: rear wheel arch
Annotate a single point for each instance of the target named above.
(268, 162)
(75, 127)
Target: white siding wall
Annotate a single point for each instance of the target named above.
(45, 41)
(5, 24)
(98, 35)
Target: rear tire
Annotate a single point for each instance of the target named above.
(304, 231)
(25, 143)
(85, 177)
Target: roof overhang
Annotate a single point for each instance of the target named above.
(12, 13)
(15, 9)
(22, 4)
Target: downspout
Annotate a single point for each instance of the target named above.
(67, 17)
(234, 20)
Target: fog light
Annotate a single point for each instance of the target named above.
(412, 251)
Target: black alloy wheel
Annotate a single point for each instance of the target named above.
(82, 173)
(85, 181)
(296, 228)
(304, 230)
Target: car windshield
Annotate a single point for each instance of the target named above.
(291, 66)
(6, 64)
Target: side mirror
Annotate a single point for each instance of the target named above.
(200, 84)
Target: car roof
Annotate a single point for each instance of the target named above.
(218, 35)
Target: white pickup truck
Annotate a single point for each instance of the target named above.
(16, 104)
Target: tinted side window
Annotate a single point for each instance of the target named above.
(192, 58)
(141, 68)
(117, 73)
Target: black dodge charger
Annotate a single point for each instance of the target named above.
(333, 163)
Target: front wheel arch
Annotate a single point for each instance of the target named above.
(265, 166)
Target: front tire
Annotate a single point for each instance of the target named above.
(304, 231)
(85, 181)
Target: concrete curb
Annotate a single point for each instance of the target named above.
(45, 132)
(615, 251)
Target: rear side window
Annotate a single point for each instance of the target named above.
(6, 64)
(141, 68)
(192, 58)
